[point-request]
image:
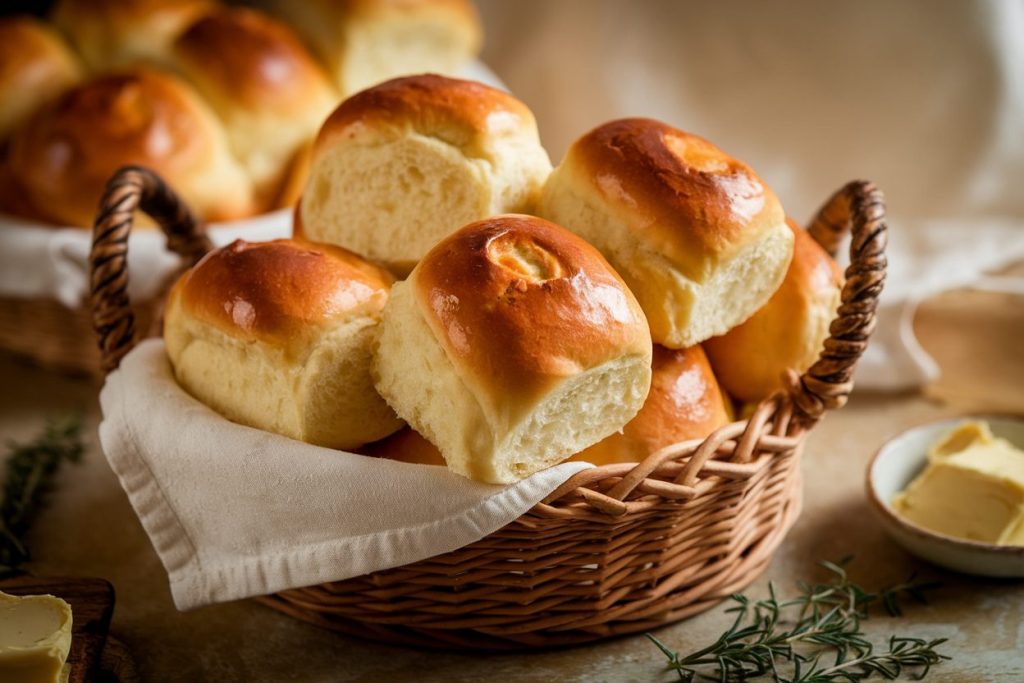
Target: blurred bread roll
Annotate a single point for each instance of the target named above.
(365, 42)
(35, 67)
(64, 155)
(696, 234)
(264, 85)
(685, 402)
(277, 335)
(511, 346)
(111, 34)
(787, 332)
(399, 166)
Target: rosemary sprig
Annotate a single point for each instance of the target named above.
(762, 641)
(28, 481)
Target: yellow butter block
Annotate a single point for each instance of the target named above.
(973, 488)
(35, 638)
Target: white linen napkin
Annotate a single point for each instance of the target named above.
(235, 512)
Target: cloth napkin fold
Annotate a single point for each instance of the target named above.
(235, 512)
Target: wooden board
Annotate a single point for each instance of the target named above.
(92, 604)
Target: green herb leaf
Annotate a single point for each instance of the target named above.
(29, 474)
(790, 640)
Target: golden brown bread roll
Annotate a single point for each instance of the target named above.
(787, 332)
(262, 83)
(685, 402)
(277, 335)
(696, 234)
(513, 345)
(399, 166)
(365, 42)
(64, 155)
(35, 67)
(111, 34)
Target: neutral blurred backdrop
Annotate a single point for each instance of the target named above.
(924, 96)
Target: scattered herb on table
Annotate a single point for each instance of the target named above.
(28, 480)
(815, 637)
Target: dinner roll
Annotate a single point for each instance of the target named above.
(685, 402)
(111, 34)
(262, 83)
(63, 157)
(365, 42)
(399, 166)
(405, 445)
(277, 335)
(513, 345)
(787, 332)
(35, 67)
(697, 236)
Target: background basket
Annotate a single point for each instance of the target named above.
(616, 549)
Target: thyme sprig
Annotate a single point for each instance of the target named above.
(823, 642)
(29, 475)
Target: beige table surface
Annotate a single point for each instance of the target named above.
(91, 531)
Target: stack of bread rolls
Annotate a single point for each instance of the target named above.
(624, 302)
(223, 101)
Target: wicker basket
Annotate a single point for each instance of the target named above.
(616, 549)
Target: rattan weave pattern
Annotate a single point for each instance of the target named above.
(616, 549)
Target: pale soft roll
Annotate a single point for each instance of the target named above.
(696, 234)
(365, 42)
(265, 86)
(513, 345)
(111, 34)
(399, 166)
(787, 332)
(64, 155)
(35, 67)
(685, 402)
(277, 335)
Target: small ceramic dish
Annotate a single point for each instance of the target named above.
(899, 461)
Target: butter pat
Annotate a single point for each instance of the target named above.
(973, 488)
(35, 638)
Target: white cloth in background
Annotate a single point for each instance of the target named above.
(45, 262)
(235, 512)
(924, 97)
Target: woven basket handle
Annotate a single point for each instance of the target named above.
(859, 208)
(132, 188)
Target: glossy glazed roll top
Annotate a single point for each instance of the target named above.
(281, 292)
(519, 305)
